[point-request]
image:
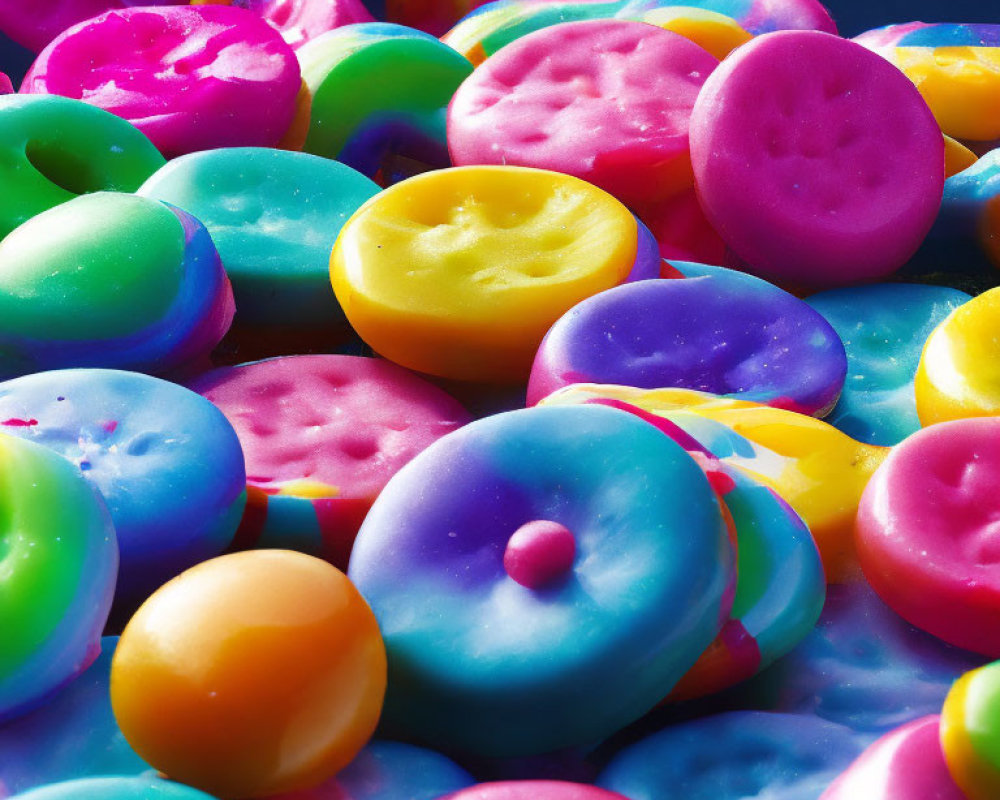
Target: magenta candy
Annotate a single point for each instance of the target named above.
(534, 790)
(301, 21)
(6, 87)
(832, 175)
(190, 78)
(539, 553)
(905, 763)
(604, 100)
(927, 532)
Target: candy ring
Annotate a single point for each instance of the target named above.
(611, 106)
(924, 530)
(460, 272)
(110, 280)
(906, 762)
(784, 199)
(166, 461)
(273, 216)
(378, 97)
(958, 375)
(883, 328)
(233, 82)
(726, 333)
(524, 640)
(321, 436)
(58, 543)
(733, 756)
(55, 149)
(205, 697)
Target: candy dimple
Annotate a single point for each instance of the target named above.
(787, 213)
(607, 101)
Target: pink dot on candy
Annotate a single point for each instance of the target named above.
(539, 552)
(19, 423)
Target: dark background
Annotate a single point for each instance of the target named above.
(852, 16)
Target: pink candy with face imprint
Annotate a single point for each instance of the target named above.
(190, 78)
(604, 100)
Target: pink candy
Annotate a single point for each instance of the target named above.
(190, 78)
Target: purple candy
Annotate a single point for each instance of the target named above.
(817, 161)
(725, 333)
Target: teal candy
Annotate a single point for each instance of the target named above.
(274, 216)
(479, 663)
(115, 788)
(883, 328)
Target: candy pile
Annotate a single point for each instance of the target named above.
(598, 402)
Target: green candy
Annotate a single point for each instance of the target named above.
(53, 149)
(58, 563)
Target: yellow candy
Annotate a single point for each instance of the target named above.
(960, 84)
(715, 32)
(959, 372)
(957, 157)
(819, 471)
(970, 732)
(461, 272)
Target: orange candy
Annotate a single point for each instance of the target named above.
(251, 674)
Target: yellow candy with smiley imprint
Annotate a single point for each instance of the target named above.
(460, 272)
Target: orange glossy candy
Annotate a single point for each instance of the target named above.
(251, 674)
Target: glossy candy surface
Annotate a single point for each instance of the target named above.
(390, 771)
(734, 756)
(459, 273)
(74, 735)
(480, 663)
(120, 788)
(906, 762)
(682, 230)
(379, 92)
(533, 790)
(250, 674)
(110, 280)
(883, 328)
(717, 33)
(54, 149)
(273, 216)
(166, 461)
(842, 177)
(301, 21)
(926, 532)
(956, 68)
(60, 558)
(321, 435)
(862, 666)
(818, 470)
(725, 333)
(610, 106)
(189, 77)
(970, 733)
(959, 371)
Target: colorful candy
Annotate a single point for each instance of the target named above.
(843, 174)
(955, 67)
(906, 762)
(481, 663)
(321, 436)
(710, 30)
(273, 216)
(55, 149)
(115, 789)
(166, 461)
(610, 106)
(460, 272)
(110, 280)
(724, 333)
(74, 735)
(925, 532)
(883, 328)
(250, 674)
(190, 78)
(959, 371)
(533, 790)
(378, 97)
(60, 559)
(969, 732)
(301, 21)
(733, 757)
